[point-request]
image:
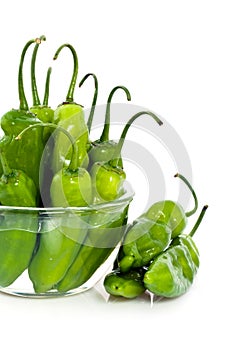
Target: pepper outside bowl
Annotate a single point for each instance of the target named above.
(52, 252)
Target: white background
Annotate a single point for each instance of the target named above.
(176, 58)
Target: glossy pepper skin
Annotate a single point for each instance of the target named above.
(60, 240)
(172, 213)
(152, 232)
(16, 120)
(172, 273)
(18, 234)
(108, 181)
(105, 232)
(58, 246)
(16, 188)
(128, 285)
(108, 177)
(70, 116)
(71, 186)
(103, 149)
(142, 242)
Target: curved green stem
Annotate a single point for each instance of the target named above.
(47, 85)
(22, 98)
(116, 156)
(74, 157)
(70, 94)
(35, 95)
(187, 183)
(199, 220)
(105, 133)
(90, 118)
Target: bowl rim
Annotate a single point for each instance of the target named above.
(127, 197)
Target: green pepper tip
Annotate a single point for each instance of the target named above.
(40, 39)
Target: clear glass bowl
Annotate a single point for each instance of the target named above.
(50, 252)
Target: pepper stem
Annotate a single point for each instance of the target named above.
(74, 157)
(70, 94)
(35, 95)
(22, 98)
(193, 211)
(47, 84)
(105, 133)
(90, 118)
(199, 220)
(116, 156)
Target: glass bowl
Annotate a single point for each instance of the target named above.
(51, 252)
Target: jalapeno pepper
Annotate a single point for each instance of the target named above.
(169, 274)
(13, 122)
(16, 120)
(106, 230)
(142, 242)
(101, 238)
(71, 186)
(172, 272)
(60, 238)
(102, 150)
(151, 234)
(108, 177)
(17, 231)
(70, 116)
(16, 186)
(128, 285)
(172, 213)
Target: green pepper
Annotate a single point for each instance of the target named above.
(101, 238)
(13, 122)
(61, 237)
(70, 116)
(59, 243)
(71, 186)
(172, 213)
(17, 230)
(43, 112)
(102, 150)
(142, 242)
(128, 285)
(173, 271)
(106, 230)
(15, 186)
(108, 177)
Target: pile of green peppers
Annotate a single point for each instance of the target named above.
(47, 159)
(156, 255)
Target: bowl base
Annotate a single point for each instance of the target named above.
(50, 294)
